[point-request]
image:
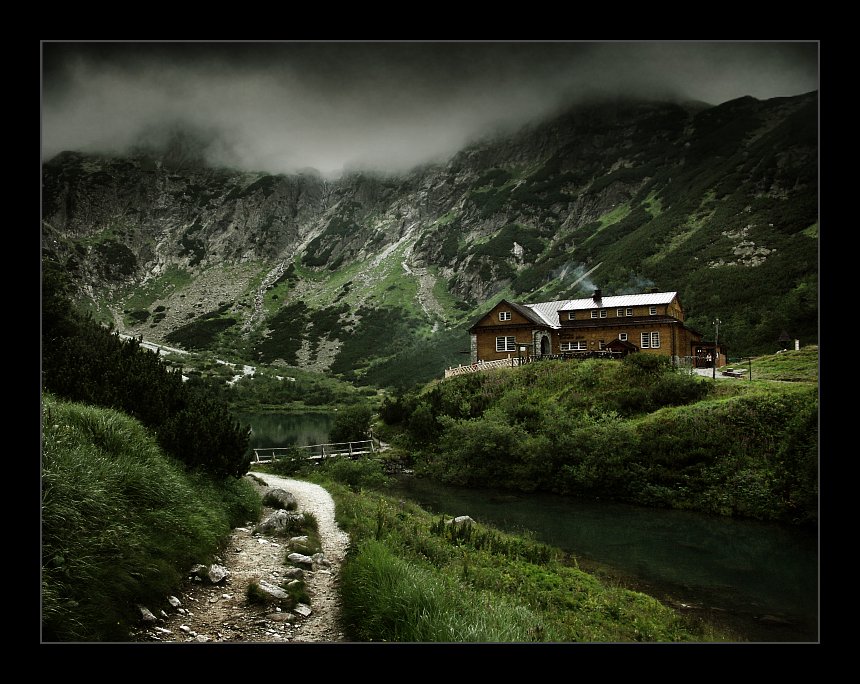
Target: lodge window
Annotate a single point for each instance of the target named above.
(504, 315)
(506, 344)
(619, 312)
(571, 316)
(603, 313)
(582, 345)
(594, 314)
(650, 340)
(629, 312)
(622, 337)
(653, 311)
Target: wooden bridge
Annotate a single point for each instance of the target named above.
(316, 452)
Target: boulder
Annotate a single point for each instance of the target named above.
(461, 520)
(281, 521)
(283, 498)
(217, 573)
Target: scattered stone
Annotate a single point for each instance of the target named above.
(162, 630)
(217, 573)
(273, 590)
(281, 521)
(146, 614)
(281, 617)
(303, 609)
(295, 573)
(461, 520)
(300, 558)
(163, 614)
(173, 601)
(185, 628)
(320, 559)
(201, 638)
(197, 570)
(286, 499)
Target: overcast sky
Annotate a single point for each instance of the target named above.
(282, 107)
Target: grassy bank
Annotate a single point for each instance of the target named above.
(412, 577)
(121, 521)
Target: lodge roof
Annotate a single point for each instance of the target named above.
(646, 299)
(547, 313)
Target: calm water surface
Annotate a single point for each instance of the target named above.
(287, 429)
(759, 579)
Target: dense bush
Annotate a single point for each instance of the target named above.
(637, 431)
(352, 424)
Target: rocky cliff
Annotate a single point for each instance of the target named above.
(355, 275)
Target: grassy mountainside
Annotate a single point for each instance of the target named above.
(358, 276)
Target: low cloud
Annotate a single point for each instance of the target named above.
(389, 106)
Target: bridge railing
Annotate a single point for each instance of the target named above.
(315, 452)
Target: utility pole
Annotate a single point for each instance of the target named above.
(716, 348)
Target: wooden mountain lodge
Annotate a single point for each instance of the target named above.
(597, 326)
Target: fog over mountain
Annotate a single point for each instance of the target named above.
(333, 107)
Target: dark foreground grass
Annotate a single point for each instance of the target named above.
(411, 577)
(121, 522)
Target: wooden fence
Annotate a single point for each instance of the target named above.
(315, 452)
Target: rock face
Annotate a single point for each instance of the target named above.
(648, 191)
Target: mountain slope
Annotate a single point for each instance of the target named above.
(374, 278)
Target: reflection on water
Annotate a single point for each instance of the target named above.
(287, 429)
(750, 568)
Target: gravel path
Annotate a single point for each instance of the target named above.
(322, 586)
(209, 613)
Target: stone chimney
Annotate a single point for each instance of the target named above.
(598, 295)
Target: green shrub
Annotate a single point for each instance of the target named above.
(352, 424)
(361, 473)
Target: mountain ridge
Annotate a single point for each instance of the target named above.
(718, 203)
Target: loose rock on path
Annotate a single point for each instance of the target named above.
(221, 612)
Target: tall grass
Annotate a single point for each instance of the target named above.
(121, 522)
(411, 577)
(391, 599)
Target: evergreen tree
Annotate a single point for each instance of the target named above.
(84, 361)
